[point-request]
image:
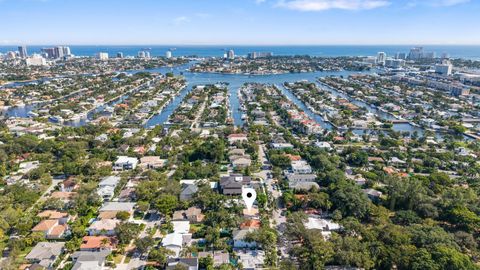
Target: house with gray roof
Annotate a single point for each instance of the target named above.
(45, 253)
(232, 185)
(188, 190)
(188, 263)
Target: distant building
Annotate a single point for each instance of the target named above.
(255, 55)
(168, 54)
(395, 63)
(50, 52)
(147, 54)
(402, 56)
(58, 52)
(36, 60)
(102, 56)
(66, 51)
(141, 54)
(11, 55)
(22, 50)
(231, 54)
(381, 58)
(119, 55)
(416, 53)
(445, 68)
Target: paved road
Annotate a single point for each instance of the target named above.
(277, 221)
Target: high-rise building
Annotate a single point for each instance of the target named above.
(119, 55)
(58, 52)
(11, 55)
(66, 51)
(147, 54)
(231, 54)
(381, 57)
(445, 55)
(35, 60)
(255, 55)
(50, 52)
(22, 50)
(416, 53)
(168, 54)
(102, 56)
(445, 68)
(402, 56)
(141, 54)
(394, 63)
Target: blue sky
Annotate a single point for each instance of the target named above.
(249, 22)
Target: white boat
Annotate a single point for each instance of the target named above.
(32, 114)
(56, 119)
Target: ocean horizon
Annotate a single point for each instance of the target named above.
(454, 51)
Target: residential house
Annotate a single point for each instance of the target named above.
(188, 191)
(293, 179)
(45, 253)
(89, 260)
(109, 210)
(239, 239)
(232, 185)
(106, 187)
(103, 227)
(173, 242)
(219, 257)
(325, 225)
(238, 137)
(65, 197)
(301, 167)
(54, 225)
(98, 243)
(251, 259)
(187, 263)
(192, 214)
(69, 185)
(125, 163)
(152, 162)
(241, 162)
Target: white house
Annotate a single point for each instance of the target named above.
(301, 167)
(125, 163)
(173, 242)
(106, 187)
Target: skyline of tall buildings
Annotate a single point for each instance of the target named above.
(22, 51)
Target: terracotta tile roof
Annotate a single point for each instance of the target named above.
(45, 225)
(251, 223)
(51, 214)
(63, 195)
(58, 230)
(95, 242)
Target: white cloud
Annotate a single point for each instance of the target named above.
(181, 20)
(437, 3)
(320, 5)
